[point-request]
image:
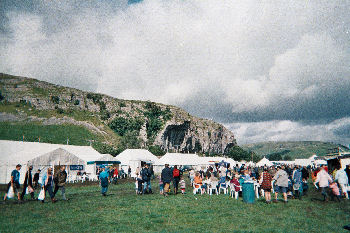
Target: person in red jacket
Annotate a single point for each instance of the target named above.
(176, 178)
(115, 175)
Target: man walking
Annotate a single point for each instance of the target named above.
(281, 178)
(146, 177)
(36, 179)
(28, 184)
(166, 178)
(323, 179)
(104, 180)
(60, 182)
(14, 183)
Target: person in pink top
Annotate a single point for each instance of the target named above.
(335, 190)
(323, 179)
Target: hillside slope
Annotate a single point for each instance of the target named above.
(291, 150)
(114, 123)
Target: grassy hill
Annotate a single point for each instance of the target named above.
(291, 150)
(54, 113)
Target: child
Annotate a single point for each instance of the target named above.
(161, 185)
(335, 190)
(182, 184)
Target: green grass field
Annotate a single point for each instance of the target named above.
(77, 135)
(123, 211)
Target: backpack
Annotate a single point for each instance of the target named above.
(176, 173)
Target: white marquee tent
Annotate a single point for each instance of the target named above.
(179, 159)
(264, 162)
(42, 155)
(133, 158)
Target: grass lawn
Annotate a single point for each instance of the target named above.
(123, 211)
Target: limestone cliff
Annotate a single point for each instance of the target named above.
(168, 127)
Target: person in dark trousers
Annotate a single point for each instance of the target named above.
(60, 182)
(14, 183)
(146, 177)
(166, 177)
(36, 179)
(176, 178)
(347, 170)
(28, 184)
(104, 181)
(47, 184)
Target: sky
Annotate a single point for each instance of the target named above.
(267, 70)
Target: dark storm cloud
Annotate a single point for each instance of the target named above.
(232, 61)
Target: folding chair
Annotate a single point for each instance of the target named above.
(212, 186)
(196, 188)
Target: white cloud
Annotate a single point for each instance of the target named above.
(265, 60)
(251, 132)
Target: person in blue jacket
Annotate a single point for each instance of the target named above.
(104, 181)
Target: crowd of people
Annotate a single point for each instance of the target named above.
(289, 181)
(50, 183)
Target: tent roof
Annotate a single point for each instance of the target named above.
(178, 159)
(136, 154)
(264, 161)
(213, 160)
(21, 152)
(56, 157)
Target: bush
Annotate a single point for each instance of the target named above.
(96, 98)
(156, 150)
(104, 115)
(122, 104)
(1, 97)
(238, 154)
(131, 140)
(59, 110)
(76, 102)
(123, 125)
(55, 99)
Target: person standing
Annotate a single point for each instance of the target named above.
(343, 181)
(104, 180)
(14, 183)
(323, 179)
(28, 183)
(47, 184)
(36, 179)
(115, 176)
(129, 171)
(281, 178)
(60, 183)
(347, 171)
(297, 182)
(146, 178)
(166, 178)
(176, 178)
(265, 182)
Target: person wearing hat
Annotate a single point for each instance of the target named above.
(104, 181)
(167, 176)
(28, 184)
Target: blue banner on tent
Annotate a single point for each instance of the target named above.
(76, 167)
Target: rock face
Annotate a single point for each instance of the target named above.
(176, 130)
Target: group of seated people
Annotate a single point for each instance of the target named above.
(231, 181)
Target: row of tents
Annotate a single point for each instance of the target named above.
(86, 159)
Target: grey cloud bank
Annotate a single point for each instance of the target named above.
(253, 65)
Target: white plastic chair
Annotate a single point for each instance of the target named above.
(212, 186)
(233, 191)
(256, 188)
(223, 186)
(196, 188)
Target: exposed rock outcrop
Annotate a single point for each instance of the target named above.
(176, 129)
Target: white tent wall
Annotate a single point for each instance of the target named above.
(133, 158)
(17, 152)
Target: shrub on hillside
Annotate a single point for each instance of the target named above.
(55, 99)
(123, 125)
